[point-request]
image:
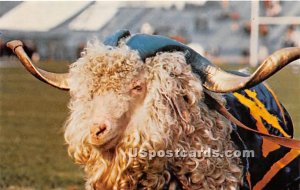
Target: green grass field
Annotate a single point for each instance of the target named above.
(32, 150)
(33, 153)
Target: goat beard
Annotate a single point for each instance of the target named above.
(121, 167)
(118, 169)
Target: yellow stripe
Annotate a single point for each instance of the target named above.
(277, 102)
(258, 110)
(254, 111)
(275, 168)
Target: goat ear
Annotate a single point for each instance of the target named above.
(138, 87)
(181, 108)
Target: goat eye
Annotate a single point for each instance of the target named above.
(137, 88)
(186, 99)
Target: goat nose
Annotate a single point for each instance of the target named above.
(98, 129)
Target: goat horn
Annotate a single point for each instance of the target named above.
(218, 80)
(213, 77)
(58, 80)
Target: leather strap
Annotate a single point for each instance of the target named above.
(284, 141)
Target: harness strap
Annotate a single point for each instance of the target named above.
(214, 104)
(284, 141)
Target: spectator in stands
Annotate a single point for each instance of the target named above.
(245, 52)
(147, 28)
(229, 13)
(292, 37)
(29, 47)
(262, 29)
(80, 49)
(1, 47)
(272, 8)
(4, 51)
(179, 38)
(263, 53)
(225, 5)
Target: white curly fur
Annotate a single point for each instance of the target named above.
(163, 121)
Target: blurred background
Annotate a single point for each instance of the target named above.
(32, 150)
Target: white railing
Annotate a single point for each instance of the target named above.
(256, 20)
